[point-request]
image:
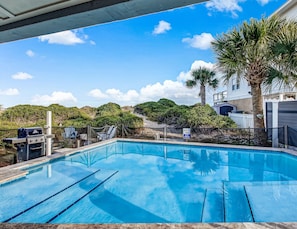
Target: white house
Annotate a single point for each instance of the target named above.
(238, 91)
(288, 10)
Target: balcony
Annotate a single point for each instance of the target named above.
(219, 97)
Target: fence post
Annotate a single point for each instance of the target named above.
(249, 136)
(88, 134)
(275, 124)
(286, 136)
(165, 132)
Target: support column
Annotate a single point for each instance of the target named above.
(48, 133)
(281, 97)
(275, 124)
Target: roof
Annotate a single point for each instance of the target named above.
(286, 7)
(21, 19)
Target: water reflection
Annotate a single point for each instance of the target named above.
(256, 167)
(242, 165)
(49, 171)
(205, 163)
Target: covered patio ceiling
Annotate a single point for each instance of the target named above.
(21, 19)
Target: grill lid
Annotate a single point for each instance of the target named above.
(25, 132)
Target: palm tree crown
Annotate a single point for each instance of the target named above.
(284, 49)
(255, 51)
(202, 76)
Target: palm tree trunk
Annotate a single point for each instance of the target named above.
(257, 101)
(202, 94)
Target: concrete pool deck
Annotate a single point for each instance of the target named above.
(153, 226)
(16, 171)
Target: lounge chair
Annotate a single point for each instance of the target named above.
(107, 135)
(113, 133)
(70, 133)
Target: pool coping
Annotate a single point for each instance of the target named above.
(152, 226)
(18, 170)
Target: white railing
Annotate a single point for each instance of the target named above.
(219, 97)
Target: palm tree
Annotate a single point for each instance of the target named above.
(202, 76)
(284, 49)
(250, 51)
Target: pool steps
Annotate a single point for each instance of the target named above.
(224, 202)
(67, 197)
(80, 198)
(224, 205)
(237, 206)
(214, 204)
(249, 204)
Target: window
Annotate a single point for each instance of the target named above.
(235, 83)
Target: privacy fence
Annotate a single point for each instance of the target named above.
(287, 137)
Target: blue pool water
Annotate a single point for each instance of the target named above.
(129, 182)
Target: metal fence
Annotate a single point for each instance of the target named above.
(242, 136)
(287, 137)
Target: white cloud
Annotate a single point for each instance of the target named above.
(184, 76)
(200, 63)
(122, 97)
(202, 41)
(115, 95)
(10, 91)
(174, 90)
(56, 97)
(231, 6)
(162, 27)
(64, 38)
(171, 89)
(96, 93)
(21, 76)
(30, 53)
(263, 2)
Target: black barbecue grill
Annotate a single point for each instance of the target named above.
(30, 143)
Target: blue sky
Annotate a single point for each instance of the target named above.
(126, 62)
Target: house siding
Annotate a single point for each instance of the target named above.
(244, 105)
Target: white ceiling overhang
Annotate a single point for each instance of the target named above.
(21, 19)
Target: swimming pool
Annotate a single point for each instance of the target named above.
(142, 182)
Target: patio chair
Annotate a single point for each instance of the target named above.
(113, 133)
(107, 135)
(70, 133)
